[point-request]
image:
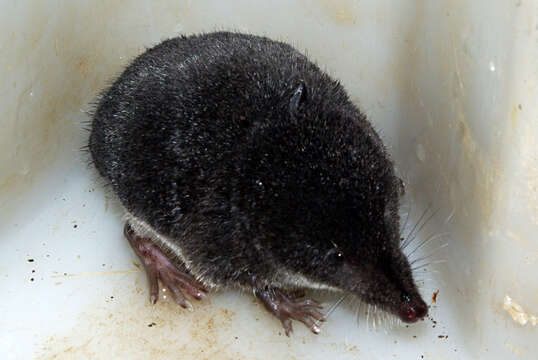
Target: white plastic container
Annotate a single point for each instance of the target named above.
(452, 87)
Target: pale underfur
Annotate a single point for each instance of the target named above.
(286, 279)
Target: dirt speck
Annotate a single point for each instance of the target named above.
(434, 296)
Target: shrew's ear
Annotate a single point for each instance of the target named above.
(298, 100)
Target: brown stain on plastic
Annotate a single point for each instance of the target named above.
(129, 327)
(56, 66)
(345, 348)
(530, 168)
(121, 324)
(345, 15)
(82, 67)
(340, 12)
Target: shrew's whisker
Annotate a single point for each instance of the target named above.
(406, 242)
(430, 254)
(428, 240)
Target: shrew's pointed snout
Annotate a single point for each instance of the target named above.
(412, 310)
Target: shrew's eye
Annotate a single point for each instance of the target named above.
(335, 256)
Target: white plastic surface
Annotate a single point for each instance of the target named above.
(452, 86)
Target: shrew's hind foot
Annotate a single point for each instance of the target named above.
(159, 267)
(287, 308)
